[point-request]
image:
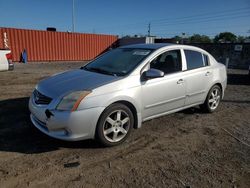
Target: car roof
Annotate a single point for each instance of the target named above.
(148, 46)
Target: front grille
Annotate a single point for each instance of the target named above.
(39, 98)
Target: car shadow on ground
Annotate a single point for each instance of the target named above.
(238, 79)
(236, 101)
(17, 134)
(192, 110)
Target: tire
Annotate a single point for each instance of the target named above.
(213, 100)
(114, 125)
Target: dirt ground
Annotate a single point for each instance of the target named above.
(185, 149)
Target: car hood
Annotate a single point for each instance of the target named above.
(75, 80)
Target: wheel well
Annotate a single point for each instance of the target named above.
(219, 84)
(133, 110)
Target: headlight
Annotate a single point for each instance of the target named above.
(72, 100)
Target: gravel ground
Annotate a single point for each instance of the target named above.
(185, 149)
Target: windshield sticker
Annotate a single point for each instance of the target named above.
(141, 52)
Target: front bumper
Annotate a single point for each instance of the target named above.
(65, 125)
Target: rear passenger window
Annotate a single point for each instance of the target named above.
(194, 59)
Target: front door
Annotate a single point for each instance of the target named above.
(160, 95)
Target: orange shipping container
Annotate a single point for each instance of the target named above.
(54, 46)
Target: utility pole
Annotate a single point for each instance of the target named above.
(149, 29)
(73, 16)
(182, 38)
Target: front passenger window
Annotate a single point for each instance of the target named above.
(168, 62)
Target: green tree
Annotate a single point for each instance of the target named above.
(241, 38)
(177, 39)
(225, 37)
(196, 38)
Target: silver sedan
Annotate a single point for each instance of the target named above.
(117, 91)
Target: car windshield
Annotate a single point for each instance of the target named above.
(118, 62)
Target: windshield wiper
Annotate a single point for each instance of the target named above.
(98, 70)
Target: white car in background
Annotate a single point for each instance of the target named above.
(6, 60)
(119, 90)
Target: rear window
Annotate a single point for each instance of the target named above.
(194, 59)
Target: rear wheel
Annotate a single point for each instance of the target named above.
(114, 125)
(213, 99)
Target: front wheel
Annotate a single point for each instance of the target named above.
(213, 99)
(114, 125)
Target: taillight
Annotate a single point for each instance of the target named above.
(9, 56)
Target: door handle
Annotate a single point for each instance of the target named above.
(180, 81)
(207, 73)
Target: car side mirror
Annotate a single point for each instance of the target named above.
(151, 74)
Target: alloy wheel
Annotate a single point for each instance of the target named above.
(214, 98)
(116, 126)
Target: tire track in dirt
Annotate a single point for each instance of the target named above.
(55, 170)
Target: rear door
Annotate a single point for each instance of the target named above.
(197, 76)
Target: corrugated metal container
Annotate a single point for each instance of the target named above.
(54, 46)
